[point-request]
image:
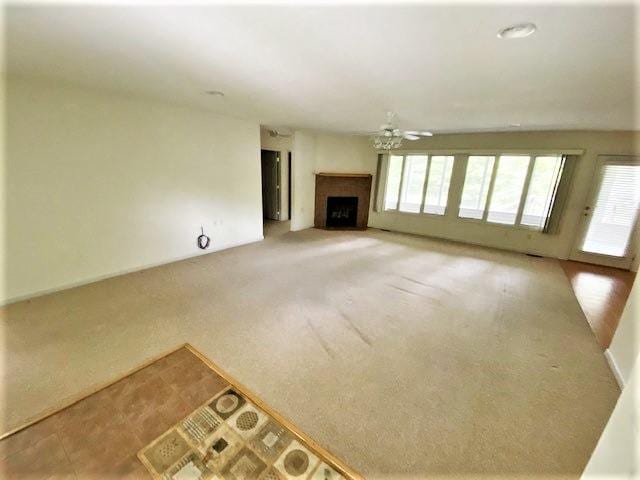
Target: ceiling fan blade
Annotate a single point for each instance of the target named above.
(410, 136)
(422, 133)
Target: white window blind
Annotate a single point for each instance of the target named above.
(615, 210)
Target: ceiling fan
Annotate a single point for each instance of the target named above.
(389, 136)
(278, 133)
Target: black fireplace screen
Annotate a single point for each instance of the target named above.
(342, 211)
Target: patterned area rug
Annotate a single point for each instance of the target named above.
(230, 438)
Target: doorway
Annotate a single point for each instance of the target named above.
(270, 162)
(610, 218)
(275, 193)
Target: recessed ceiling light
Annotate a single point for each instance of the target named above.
(215, 93)
(520, 30)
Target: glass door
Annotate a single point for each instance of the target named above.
(610, 218)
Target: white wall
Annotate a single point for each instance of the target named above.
(625, 345)
(617, 455)
(284, 146)
(98, 184)
(303, 179)
(559, 245)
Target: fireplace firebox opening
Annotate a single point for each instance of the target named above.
(342, 212)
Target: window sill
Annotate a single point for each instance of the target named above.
(475, 221)
(416, 214)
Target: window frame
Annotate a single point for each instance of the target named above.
(533, 155)
(523, 193)
(454, 195)
(404, 155)
(426, 184)
(485, 211)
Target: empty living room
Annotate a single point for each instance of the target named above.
(320, 240)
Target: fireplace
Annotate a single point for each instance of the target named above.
(342, 212)
(342, 200)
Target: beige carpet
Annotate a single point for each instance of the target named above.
(404, 356)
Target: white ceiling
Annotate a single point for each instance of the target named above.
(339, 68)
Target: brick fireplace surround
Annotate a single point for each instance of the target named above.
(342, 185)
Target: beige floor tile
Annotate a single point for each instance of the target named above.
(45, 459)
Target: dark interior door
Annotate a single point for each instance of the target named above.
(270, 184)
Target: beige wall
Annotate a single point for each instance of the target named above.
(98, 184)
(344, 154)
(282, 145)
(319, 152)
(559, 245)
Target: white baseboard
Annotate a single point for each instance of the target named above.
(614, 368)
(87, 281)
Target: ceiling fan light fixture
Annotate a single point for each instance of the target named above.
(390, 137)
(387, 142)
(520, 30)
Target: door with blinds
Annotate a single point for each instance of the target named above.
(610, 219)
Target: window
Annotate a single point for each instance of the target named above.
(542, 188)
(418, 183)
(507, 189)
(415, 169)
(393, 182)
(476, 186)
(435, 199)
(511, 189)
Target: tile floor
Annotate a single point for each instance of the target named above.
(602, 293)
(99, 436)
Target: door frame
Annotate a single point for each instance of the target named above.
(579, 255)
(278, 179)
(289, 185)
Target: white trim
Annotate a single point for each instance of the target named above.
(87, 281)
(614, 368)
